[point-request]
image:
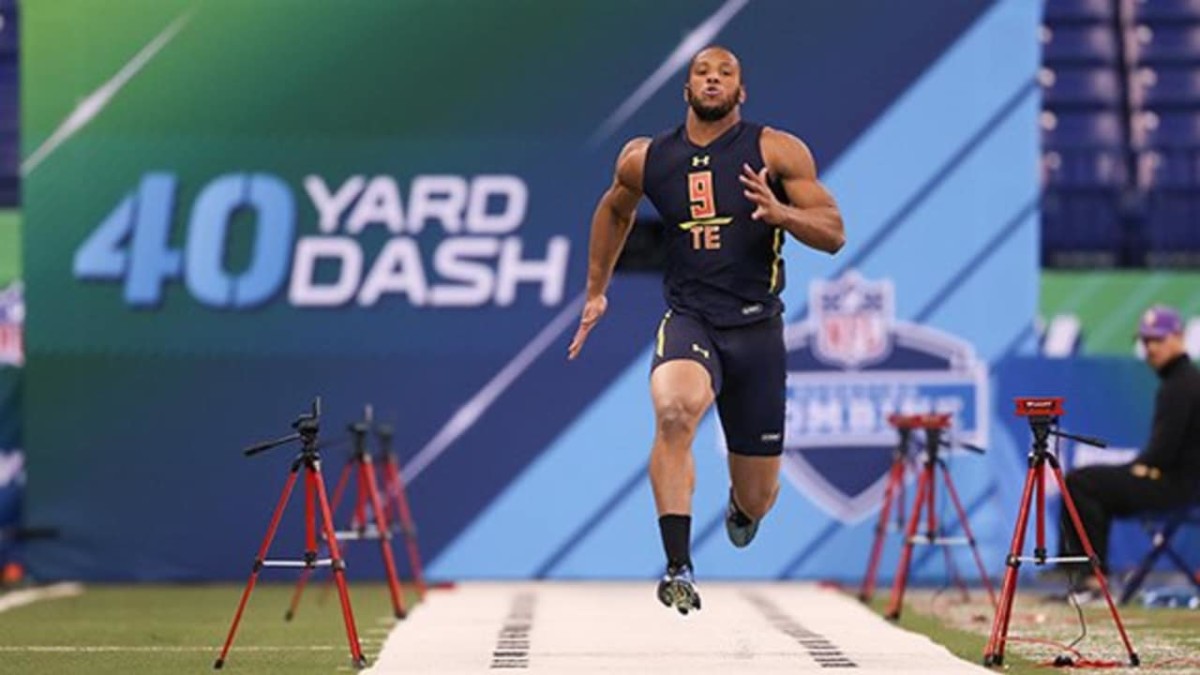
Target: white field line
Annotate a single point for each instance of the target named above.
(28, 596)
(165, 648)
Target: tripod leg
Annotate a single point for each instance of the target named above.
(952, 567)
(966, 528)
(898, 584)
(258, 563)
(400, 496)
(895, 476)
(339, 490)
(360, 502)
(395, 497)
(391, 488)
(343, 482)
(301, 584)
(339, 568)
(1069, 504)
(1039, 549)
(367, 476)
(993, 654)
(310, 555)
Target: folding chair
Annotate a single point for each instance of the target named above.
(1163, 527)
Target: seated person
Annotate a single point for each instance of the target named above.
(1166, 474)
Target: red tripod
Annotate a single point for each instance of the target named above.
(307, 428)
(934, 426)
(1043, 414)
(395, 498)
(892, 493)
(367, 493)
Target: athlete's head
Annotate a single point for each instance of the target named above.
(714, 84)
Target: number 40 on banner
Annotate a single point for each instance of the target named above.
(133, 242)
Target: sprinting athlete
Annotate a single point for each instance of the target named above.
(728, 191)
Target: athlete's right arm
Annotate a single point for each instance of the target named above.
(610, 227)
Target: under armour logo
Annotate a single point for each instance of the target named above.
(700, 160)
(700, 350)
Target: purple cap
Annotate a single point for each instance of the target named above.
(1160, 321)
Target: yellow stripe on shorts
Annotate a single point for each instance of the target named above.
(778, 259)
(662, 334)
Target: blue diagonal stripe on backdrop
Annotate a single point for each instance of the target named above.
(988, 250)
(810, 549)
(1015, 346)
(709, 529)
(945, 171)
(626, 489)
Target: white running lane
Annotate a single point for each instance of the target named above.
(585, 628)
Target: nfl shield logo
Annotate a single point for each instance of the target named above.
(850, 365)
(853, 316)
(12, 321)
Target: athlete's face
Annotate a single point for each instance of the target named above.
(714, 86)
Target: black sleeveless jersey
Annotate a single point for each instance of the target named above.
(722, 266)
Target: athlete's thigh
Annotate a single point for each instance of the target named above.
(680, 388)
(685, 361)
(752, 398)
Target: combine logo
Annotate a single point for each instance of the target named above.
(850, 365)
(12, 321)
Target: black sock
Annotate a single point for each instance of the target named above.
(676, 536)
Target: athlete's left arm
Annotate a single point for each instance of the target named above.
(813, 216)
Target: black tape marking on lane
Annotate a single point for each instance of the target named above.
(512, 644)
(819, 647)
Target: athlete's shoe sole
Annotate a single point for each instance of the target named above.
(679, 591)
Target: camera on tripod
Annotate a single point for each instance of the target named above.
(920, 421)
(1049, 407)
(309, 424)
(1043, 413)
(307, 463)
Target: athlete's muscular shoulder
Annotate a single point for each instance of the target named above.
(786, 156)
(631, 163)
(626, 189)
(791, 163)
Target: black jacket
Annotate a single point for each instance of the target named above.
(1174, 443)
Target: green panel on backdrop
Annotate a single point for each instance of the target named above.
(1108, 304)
(10, 246)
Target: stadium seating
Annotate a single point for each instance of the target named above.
(1166, 45)
(1063, 12)
(1168, 11)
(1121, 132)
(1085, 45)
